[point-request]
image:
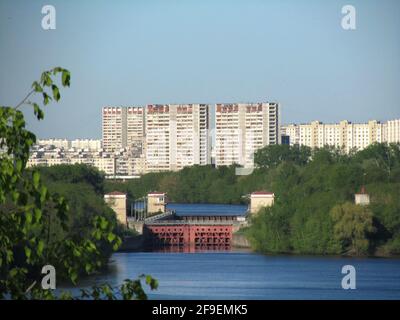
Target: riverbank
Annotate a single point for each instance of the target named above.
(240, 242)
(132, 244)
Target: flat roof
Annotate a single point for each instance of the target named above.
(115, 193)
(256, 193)
(204, 210)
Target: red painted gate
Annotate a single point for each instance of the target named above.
(188, 235)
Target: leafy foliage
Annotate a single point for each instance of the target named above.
(352, 224)
(314, 204)
(35, 226)
(307, 184)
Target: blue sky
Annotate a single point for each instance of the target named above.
(159, 51)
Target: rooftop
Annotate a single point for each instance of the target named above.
(256, 193)
(156, 193)
(115, 193)
(201, 210)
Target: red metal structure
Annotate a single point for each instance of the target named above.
(188, 234)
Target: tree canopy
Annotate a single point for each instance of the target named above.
(307, 184)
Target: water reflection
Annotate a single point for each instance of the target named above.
(189, 248)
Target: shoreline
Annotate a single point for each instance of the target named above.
(135, 244)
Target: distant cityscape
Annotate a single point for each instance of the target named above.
(168, 137)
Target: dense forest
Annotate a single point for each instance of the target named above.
(314, 211)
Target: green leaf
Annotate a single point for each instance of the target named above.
(65, 78)
(28, 217)
(28, 252)
(103, 223)
(18, 165)
(56, 92)
(38, 214)
(76, 252)
(73, 275)
(43, 193)
(46, 98)
(37, 111)
(15, 195)
(57, 69)
(40, 247)
(88, 267)
(36, 86)
(111, 236)
(36, 179)
(46, 79)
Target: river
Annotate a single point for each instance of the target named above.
(241, 274)
(247, 275)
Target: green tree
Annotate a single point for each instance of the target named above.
(352, 224)
(273, 155)
(28, 209)
(270, 231)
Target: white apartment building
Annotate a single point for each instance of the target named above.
(86, 144)
(113, 128)
(58, 143)
(176, 136)
(243, 128)
(346, 135)
(106, 164)
(123, 127)
(393, 131)
(135, 125)
(293, 131)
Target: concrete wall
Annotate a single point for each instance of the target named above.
(362, 199)
(118, 204)
(136, 225)
(155, 203)
(239, 240)
(258, 202)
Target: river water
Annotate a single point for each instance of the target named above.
(241, 274)
(247, 275)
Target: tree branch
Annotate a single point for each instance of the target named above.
(23, 100)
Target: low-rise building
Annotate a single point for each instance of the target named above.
(156, 202)
(117, 201)
(261, 199)
(362, 198)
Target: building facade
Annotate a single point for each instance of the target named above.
(243, 128)
(176, 136)
(113, 128)
(261, 199)
(346, 135)
(393, 131)
(117, 202)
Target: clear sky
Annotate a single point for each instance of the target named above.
(157, 51)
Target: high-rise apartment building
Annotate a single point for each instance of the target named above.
(114, 119)
(176, 136)
(123, 128)
(346, 135)
(243, 128)
(135, 125)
